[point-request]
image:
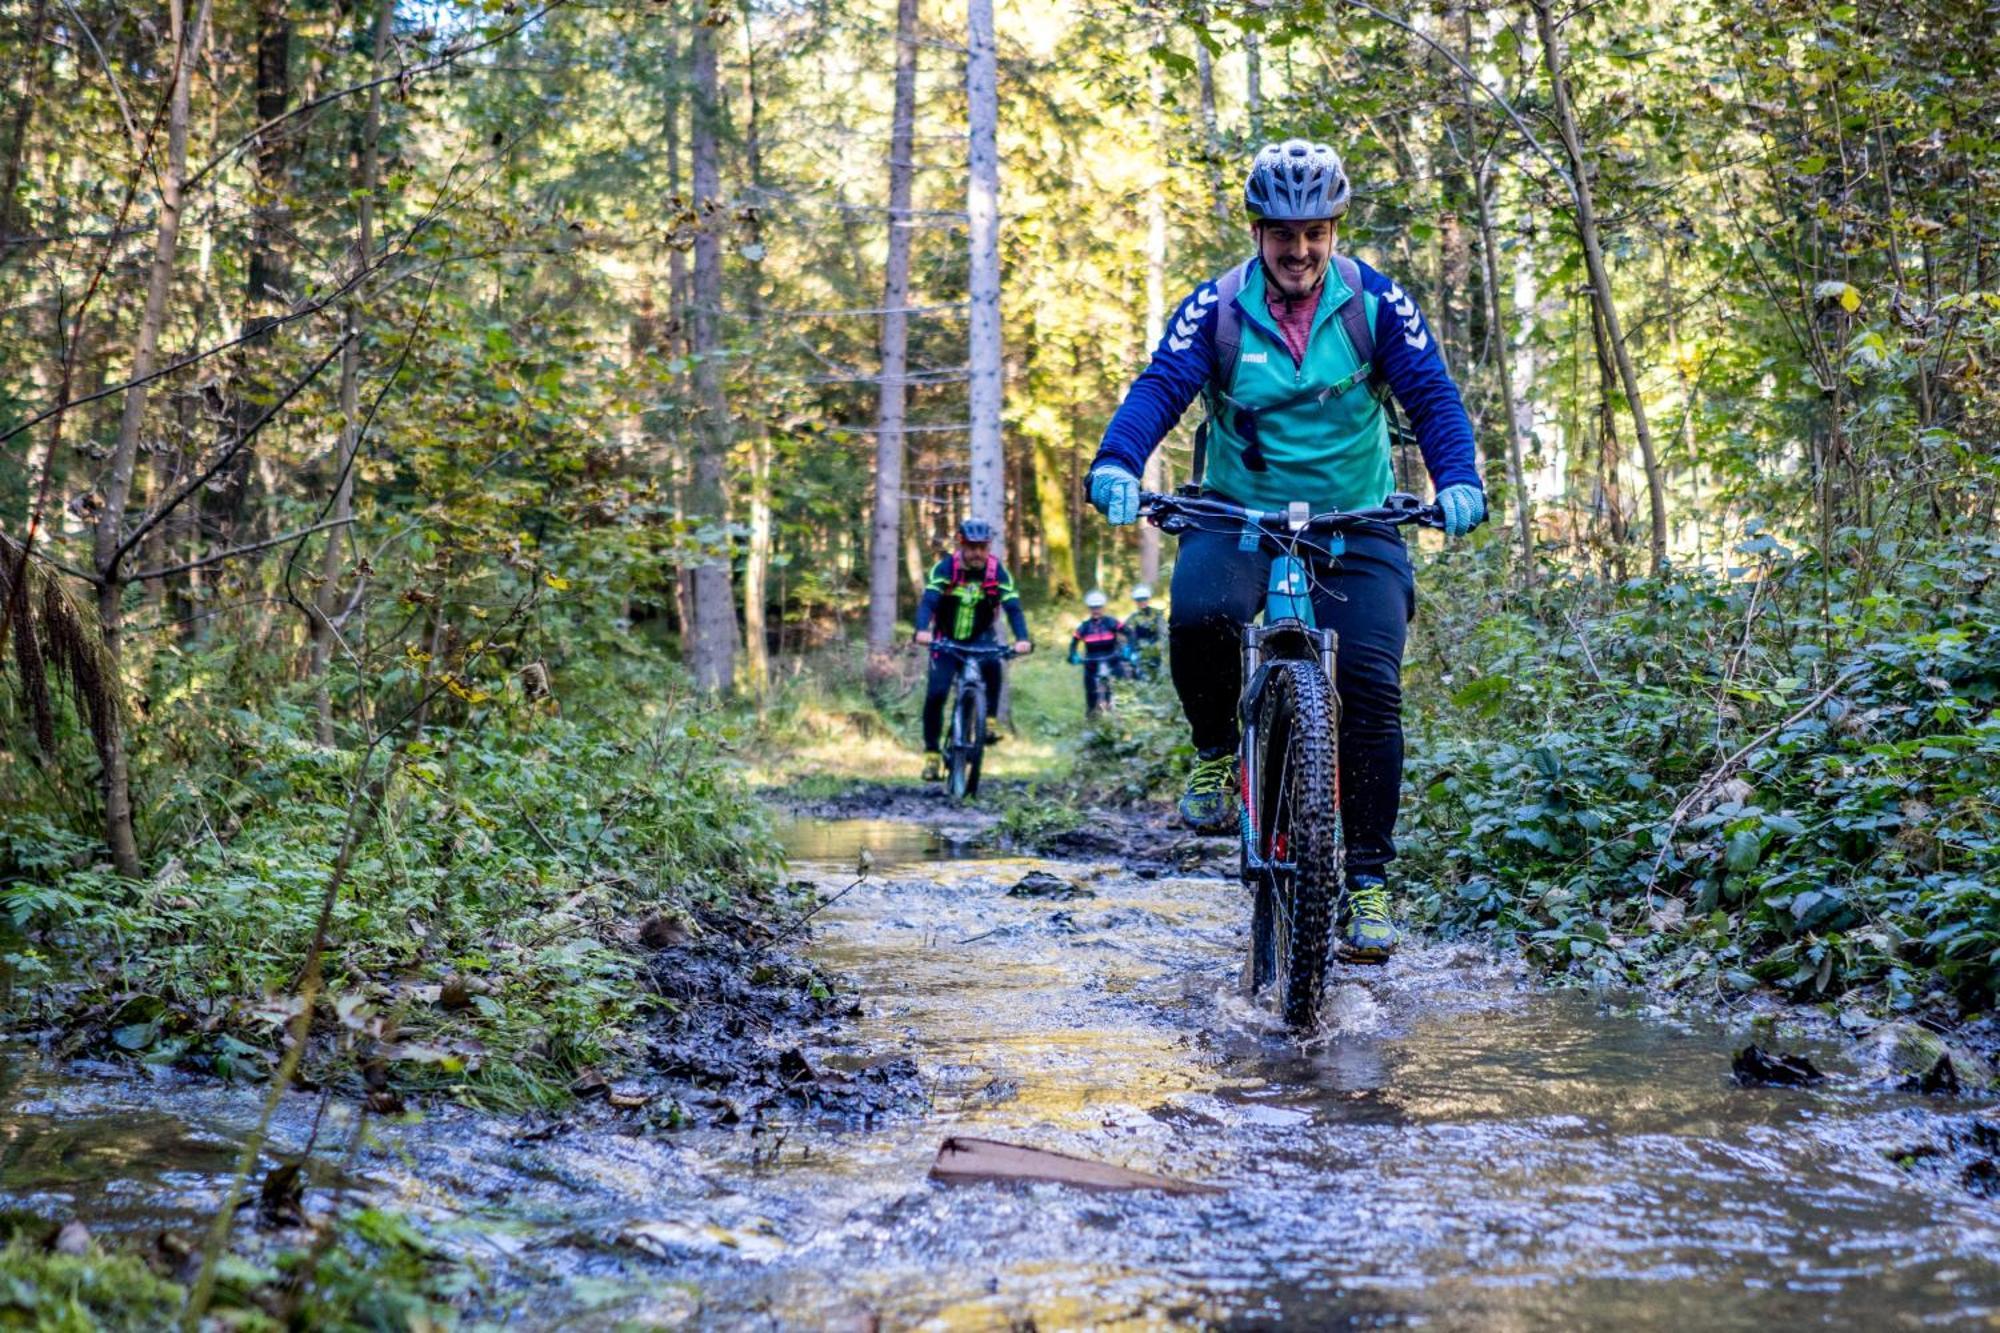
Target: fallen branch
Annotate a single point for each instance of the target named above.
(790, 930)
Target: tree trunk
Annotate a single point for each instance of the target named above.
(757, 556)
(1600, 278)
(1053, 465)
(1503, 356)
(1156, 323)
(112, 750)
(1211, 136)
(1253, 84)
(892, 393)
(714, 604)
(328, 613)
(989, 473)
(1496, 312)
(17, 138)
(269, 273)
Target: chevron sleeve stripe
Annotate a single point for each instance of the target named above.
(1409, 356)
(1180, 368)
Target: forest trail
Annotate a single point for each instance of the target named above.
(1462, 1149)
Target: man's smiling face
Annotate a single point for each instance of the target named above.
(1295, 255)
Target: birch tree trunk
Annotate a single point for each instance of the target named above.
(328, 612)
(989, 473)
(714, 606)
(112, 752)
(892, 391)
(1600, 279)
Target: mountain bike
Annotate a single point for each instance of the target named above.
(965, 716)
(1288, 760)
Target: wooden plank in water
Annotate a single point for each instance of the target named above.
(964, 1161)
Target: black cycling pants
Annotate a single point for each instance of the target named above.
(1367, 597)
(944, 666)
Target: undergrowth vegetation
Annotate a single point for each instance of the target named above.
(1783, 775)
(485, 942)
(371, 1270)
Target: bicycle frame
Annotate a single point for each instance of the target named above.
(1289, 630)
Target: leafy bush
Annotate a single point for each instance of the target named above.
(484, 941)
(1786, 777)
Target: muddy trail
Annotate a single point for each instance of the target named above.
(1458, 1148)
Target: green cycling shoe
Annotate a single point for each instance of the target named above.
(1364, 932)
(1209, 803)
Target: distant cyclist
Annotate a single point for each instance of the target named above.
(1097, 644)
(1145, 629)
(1296, 412)
(964, 596)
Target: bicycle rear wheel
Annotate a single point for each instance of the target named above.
(968, 742)
(1298, 823)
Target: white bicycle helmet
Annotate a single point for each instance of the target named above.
(1296, 181)
(1094, 599)
(1142, 593)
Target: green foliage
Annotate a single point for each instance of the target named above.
(1705, 776)
(483, 944)
(1037, 815)
(60, 1293)
(371, 1273)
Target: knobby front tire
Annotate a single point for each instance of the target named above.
(968, 727)
(1298, 809)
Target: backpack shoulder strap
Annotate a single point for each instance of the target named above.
(1228, 349)
(1354, 318)
(1228, 323)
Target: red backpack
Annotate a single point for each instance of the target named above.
(989, 581)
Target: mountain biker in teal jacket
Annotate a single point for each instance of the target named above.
(1298, 416)
(964, 598)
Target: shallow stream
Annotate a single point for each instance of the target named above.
(1460, 1149)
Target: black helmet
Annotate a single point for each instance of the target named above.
(975, 530)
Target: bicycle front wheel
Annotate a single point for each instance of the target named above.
(968, 725)
(1297, 819)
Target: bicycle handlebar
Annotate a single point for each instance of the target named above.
(959, 649)
(1395, 511)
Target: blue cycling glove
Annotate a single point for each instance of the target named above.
(1464, 509)
(1115, 492)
